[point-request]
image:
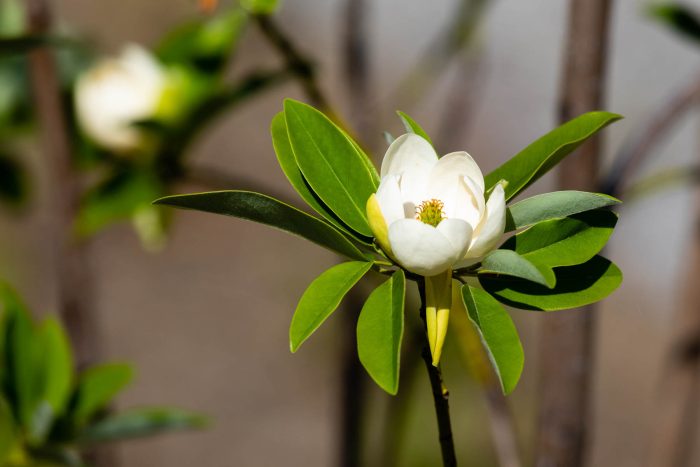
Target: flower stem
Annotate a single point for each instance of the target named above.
(441, 396)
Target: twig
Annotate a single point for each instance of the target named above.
(638, 147)
(441, 395)
(568, 337)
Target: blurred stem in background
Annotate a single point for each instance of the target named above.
(567, 341)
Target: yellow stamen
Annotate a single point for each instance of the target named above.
(430, 212)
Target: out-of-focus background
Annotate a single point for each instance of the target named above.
(206, 319)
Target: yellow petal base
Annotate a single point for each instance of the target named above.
(438, 297)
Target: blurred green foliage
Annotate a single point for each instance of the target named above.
(680, 18)
(49, 412)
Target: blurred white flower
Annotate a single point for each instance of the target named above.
(430, 214)
(117, 92)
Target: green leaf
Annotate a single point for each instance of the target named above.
(554, 205)
(23, 366)
(510, 263)
(576, 286)
(21, 44)
(379, 332)
(261, 7)
(498, 334)
(541, 156)
(269, 211)
(137, 423)
(680, 18)
(8, 433)
(97, 387)
(322, 298)
(285, 157)
(204, 44)
(330, 162)
(564, 242)
(412, 126)
(57, 363)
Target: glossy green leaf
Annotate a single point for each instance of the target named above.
(330, 162)
(542, 155)
(510, 263)
(269, 211)
(322, 298)
(554, 205)
(142, 422)
(23, 364)
(413, 127)
(498, 334)
(564, 242)
(57, 363)
(285, 157)
(8, 432)
(379, 332)
(680, 18)
(576, 286)
(97, 387)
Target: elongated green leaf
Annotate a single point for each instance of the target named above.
(285, 157)
(498, 334)
(680, 18)
(379, 332)
(57, 363)
(576, 286)
(8, 433)
(23, 363)
(554, 205)
(97, 387)
(412, 126)
(269, 211)
(510, 263)
(261, 7)
(542, 155)
(322, 298)
(136, 423)
(331, 164)
(564, 242)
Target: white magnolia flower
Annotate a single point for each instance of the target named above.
(117, 92)
(430, 215)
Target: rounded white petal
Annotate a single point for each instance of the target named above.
(115, 93)
(408, 152)
(458, 232)
(421, 248)
(456, 164)
(491, 231)
(459, 199)
(389, 199)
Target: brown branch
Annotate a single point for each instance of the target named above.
(568, 337)
(639, 146)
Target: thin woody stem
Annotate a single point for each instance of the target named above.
(441, 396)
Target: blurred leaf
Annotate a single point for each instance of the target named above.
(541, 156)
(285, 157)
(118, 198)
(332, 165)
(142, 422)
(269, 211)
(510, 263)
(564, 242)
(261, 7)
(498, 334)
(576, 286)
(7, 431)
(21, 44)
(380, 330)
(680, 18)
(13, 181)
(13, 20)
(554, 205)
(57, 363)
(97, 387)
(205, 44)
(412, 126)
(322, 298)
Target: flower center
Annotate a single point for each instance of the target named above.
(430, 212)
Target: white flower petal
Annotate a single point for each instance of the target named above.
(389, 198)
(421, 248)
(459, 199)
(408, 152)
(459, 234)
(456, 164)
(491, 232)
